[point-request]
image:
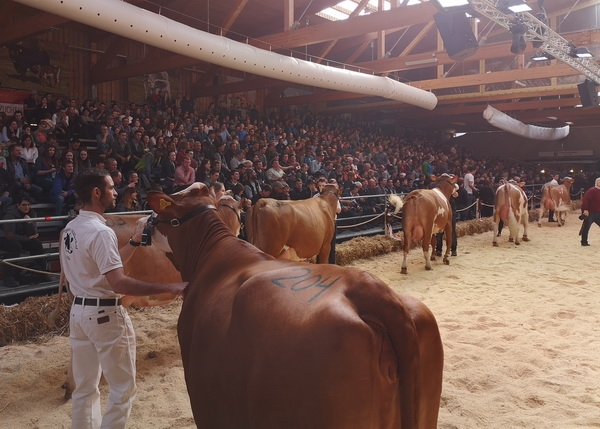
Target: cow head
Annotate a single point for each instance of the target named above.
(173, 210)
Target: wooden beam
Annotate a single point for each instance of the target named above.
(417, 39)
(389, 19)
(503, 76)
(331, 44)
(234, 13)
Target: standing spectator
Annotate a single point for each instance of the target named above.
(469, 185)
(486, 198)
(590, 206)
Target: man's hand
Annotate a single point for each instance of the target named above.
(586, 213)
(178, 288)
(139, 229)
(31, 237)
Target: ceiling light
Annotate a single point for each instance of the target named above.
(513, 6)
(583, 53)
(524, 7)
(541, 56)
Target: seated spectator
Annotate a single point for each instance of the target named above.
(16, 237)
(29, 152)
(104, 141)
(275, 173)
(63, 189)
(167, 177)
(6, 186)
(265, 192)
(299, 192)
(82, 162)
(18, 169)
(11, 129)
(46, 167)
(184, 175)
(281, 191)
(129, 201)
(218, 189)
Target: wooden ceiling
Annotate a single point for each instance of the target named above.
(402, 43)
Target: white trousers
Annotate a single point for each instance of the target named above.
(102, 342)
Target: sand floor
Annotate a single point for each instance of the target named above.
(520, 326)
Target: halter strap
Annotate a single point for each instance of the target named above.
(177, 222)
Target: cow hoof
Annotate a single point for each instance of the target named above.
(540, 225)
(525, 238)
(495, 244)
(403, 271)
(428, 268)
(517, 243)
(446, 261)
(432, 258)
(510, 239)
(559, 224)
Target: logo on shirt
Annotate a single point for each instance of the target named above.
(69, 240)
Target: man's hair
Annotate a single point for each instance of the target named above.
(89, 179)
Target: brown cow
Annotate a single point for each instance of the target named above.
(271, 343)
(425, 212)
(303, 228)
(557, 198)
(510, 207)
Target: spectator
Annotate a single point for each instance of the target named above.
(167, 177)
(16, 237)
(129, 201)
(63, 188)
(104, 141)
(29, 153)
(18, 170)
(299, 192)
(185, 175)
(46, 167)
(9, 131)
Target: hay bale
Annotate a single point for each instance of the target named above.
(28, 320)
(365, 247)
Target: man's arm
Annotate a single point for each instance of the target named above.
(124, 285)
(127, 250)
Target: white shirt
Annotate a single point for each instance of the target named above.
(88, 250)
(468, 182)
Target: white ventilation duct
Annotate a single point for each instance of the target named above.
(124, 19)
(501, 120)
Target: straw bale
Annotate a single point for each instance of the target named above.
(28, 320)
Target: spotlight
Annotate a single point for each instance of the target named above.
(519, 44)
(541, 56)
(513, 6)
(581, 53)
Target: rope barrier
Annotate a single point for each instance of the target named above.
(362, 223)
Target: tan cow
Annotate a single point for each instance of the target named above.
(303, 228)
(425, 212)
(510, 207)
(557, 198)
(271, 343)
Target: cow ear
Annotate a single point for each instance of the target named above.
(159, 201)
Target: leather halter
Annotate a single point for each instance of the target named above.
(175, 222)
(237, 215)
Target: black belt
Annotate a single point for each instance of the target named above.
(97, 302)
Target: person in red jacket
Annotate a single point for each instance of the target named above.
(590, 205)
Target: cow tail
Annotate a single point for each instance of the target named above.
(396, 201)
(505, 209)
(400, 364)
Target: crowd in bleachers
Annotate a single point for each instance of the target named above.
(171, 146)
